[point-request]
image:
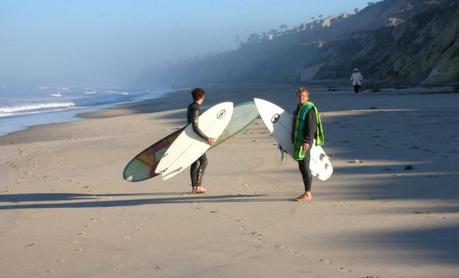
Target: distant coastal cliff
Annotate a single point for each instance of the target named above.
(405, 41)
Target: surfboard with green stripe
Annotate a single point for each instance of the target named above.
(143, 165)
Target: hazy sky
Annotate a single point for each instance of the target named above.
(109, 42)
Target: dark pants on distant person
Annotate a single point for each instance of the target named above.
(356, 88)
(197, 170)
(303, 165)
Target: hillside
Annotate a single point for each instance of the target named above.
(402, 41)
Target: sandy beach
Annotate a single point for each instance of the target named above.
(391, 209)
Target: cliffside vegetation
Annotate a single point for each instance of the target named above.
(405, 41)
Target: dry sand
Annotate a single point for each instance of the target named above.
(65, 210)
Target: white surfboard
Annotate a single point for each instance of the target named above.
(279, 123)
(188, 146)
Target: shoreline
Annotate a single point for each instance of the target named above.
(14, 123)
(174, 99)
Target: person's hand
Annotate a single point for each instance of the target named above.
(212, 141)
(306, 146)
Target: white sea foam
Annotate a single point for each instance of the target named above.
(55, 95)
(90, 93)
(32, 108)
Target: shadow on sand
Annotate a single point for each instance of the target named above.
(99, 200)
(431, 245)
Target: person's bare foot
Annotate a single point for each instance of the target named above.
(199, 190)
(304, 197)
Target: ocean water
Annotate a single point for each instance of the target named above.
(24, 107)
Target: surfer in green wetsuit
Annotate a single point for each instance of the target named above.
(304, 131)
(199, 166)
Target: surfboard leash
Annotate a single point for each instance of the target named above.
(282, 156)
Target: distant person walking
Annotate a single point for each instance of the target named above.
(356, 79)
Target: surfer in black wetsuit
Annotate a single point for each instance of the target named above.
(199, 166)
(310, 127)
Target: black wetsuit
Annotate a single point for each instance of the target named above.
(308, 137)
(199, 166)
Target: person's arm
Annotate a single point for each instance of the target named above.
(310, 129)
(195, 124)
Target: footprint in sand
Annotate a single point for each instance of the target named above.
(344, 269)
(11, 164)
(83, 234)
(281, 247)
(241, 224)
(327, 261)
(22, 153)
(88, 188)
(287, 248)
(257, 236)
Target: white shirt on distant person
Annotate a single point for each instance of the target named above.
(356, 78)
